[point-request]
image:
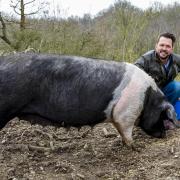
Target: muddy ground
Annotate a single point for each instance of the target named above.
(31, 151)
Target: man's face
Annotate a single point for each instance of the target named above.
(164, 48)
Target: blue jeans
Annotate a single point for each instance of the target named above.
(172, 92)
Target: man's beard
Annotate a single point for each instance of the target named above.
(164, 57)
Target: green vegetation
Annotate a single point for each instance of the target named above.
(121, 33)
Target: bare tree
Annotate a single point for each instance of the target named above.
(4, 36)
(22, 8)
(25, 8)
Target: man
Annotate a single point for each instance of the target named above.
(163, 66)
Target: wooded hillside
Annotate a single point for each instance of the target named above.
(122, 32)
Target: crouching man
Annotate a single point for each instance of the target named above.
(163, 66)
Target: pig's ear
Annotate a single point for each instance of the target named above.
(171, 114)
(170, 111)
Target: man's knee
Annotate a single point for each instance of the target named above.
(176, 87)
(173, 86)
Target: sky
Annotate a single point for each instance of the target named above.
(81, 7)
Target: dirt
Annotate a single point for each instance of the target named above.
(32, 151)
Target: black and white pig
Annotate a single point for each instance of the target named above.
(77, 91)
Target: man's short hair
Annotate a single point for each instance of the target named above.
(168, 35)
